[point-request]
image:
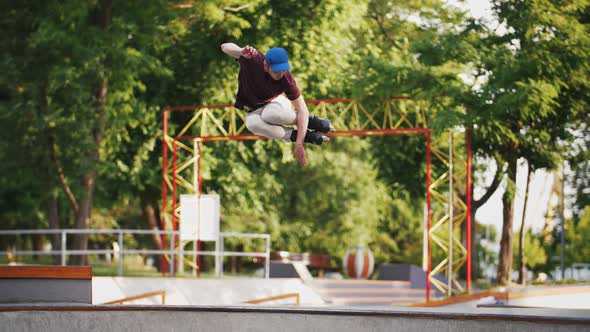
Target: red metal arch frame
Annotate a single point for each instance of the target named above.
(237, 136)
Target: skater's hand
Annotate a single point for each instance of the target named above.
(300, 154)
(248, 52)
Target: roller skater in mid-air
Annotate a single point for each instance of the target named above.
(269, 94)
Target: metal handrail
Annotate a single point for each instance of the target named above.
(161, 293)
(275, 298)
(219, 253)
(84, 231)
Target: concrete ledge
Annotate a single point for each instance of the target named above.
(45, 290)
(29, 284)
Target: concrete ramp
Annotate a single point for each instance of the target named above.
(558, 297)
(185, 291)
(260, 319)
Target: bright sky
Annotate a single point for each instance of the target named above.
(539, 192)
(478, 8)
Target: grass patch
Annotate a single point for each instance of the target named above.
(133, 266)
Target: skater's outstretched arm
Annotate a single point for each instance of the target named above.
(302, 121)
(236, 51)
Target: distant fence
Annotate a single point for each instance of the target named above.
(219, 252)
(577, 271)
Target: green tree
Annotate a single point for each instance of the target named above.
(82, 91)
(534, 252)
(580, 180)
(525, 105)
(577, 236)
(485, 237)
(418, 49)
(338, 202)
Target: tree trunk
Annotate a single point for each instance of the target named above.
(102, 19)
(505, 257)
(83, 219)
(150, 216)
(54, 171)
(149, 213)
(521, 257)
(475, 205)
(234, 264)
(38, 240)
(236, 261)
(53, 216)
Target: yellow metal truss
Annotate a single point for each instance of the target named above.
(224, 122)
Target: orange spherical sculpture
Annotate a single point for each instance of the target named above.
(358, 262)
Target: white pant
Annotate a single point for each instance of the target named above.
(270, 120)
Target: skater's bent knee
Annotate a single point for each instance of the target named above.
(278, 114)
(255, 126)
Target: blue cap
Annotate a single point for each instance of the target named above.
(278, 59)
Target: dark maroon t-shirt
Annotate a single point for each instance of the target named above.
(257, 88)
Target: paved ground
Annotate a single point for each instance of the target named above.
(38, 317)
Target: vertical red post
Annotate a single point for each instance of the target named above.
(468, 219)
(199, 190)
(174, 225)
(163, 265)
(428, 213)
